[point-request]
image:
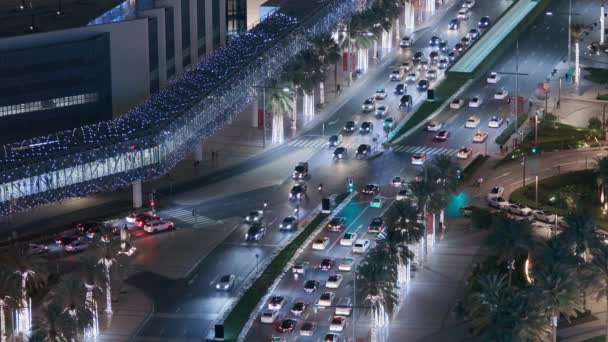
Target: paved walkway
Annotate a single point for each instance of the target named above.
(427, 314)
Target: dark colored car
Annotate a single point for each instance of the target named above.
(371, 189)
(364, 150)
(366, 127)
(66, 239)
(454, 24)
(336, 224)
(474, 33)
(458, 48)
(484, 22)
(400, 89)
(452, 56)
(298, 191)
(465, 41)
(418, 56)
(376, 226)
(422, 85)
(340, 153)
(255, 232)
(441, 136)
(287, 325)
(289, 223)
(443, 46)
(311, 286)
(326, 264)
(434, 56)
(405, 102)
(350, 126)
(434, 41)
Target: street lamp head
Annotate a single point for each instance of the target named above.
(286, 90)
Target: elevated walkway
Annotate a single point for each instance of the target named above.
(490, 40)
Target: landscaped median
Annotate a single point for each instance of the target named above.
(248, 302)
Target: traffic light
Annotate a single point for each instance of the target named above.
(533, 150)
(459, 174)
(350, 184)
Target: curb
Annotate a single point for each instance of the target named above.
(300, 250)
(466, 85)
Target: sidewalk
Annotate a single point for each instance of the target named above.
(428, 311)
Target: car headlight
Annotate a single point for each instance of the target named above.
(281, 225)
(340, 155)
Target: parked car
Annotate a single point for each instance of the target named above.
(519, 209)
(158, 225)
(498, 202)
(543, 216)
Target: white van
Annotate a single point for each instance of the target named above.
(463, 14)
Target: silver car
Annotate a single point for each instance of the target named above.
(225, 283)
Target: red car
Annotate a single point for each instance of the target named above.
(287, 325)
(441, 136)
(336, 224)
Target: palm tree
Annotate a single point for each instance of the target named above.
(30, 273)
(329, 54)
(375, 288)
(94, 278)
(599, 270)
(75, 314)
(107, 247)
(446, 175)
(602, 174)
(577, 31)
(421, 190)
(279, 103)
(511, 240)
(580, 234)
(394, 242)
(9, 294)
(311, 75)
(49, 327)
(555, 252)
(558, 290)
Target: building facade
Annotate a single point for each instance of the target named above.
(69, 77)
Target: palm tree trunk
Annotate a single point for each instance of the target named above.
(277, 128)
(107, 263)
(602, 24)
(309, 104)
(442, 219)
(23, 312)
(577, 72)
(397, 29)
(93, 330)
(510, 274)
(554, 328)
(375, 50)
(321, 93)
(294, 107)
(2, 321)
(336, 75)
(374, 326)
(606, 322)
(426, 252)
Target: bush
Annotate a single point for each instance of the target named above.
(595, 123)
(506, 134)
(481, 218)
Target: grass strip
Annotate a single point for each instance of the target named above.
(597, 75)
(506, 134)
(239, 315)
(443, 92)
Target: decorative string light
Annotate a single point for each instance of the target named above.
(153, 137)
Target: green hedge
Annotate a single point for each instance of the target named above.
(506, 134)
(239, 315)
(481, 218)
(444, 91)
(473, 166)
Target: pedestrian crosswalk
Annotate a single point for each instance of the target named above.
(425, 149)
(316, 143)
(185, 216)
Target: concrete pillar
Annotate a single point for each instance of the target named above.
(137, 194)
(255, 107)
(198, 151)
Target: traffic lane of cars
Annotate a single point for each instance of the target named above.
(292, 289)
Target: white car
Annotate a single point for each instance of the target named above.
(346, 265)
(463, 14)
(468, 3)
(457, 104)
(519, 209)
(480, 137)
(472, 122)
(395, 75)
(320, 243)
(475, 102)
(398, 182)
(498, 202)
(380, 94)
(348, 239)
(418, 158)
(225, 283)
(254, 216)
(276, 303)
(334, 281)
(495, 122)
(543, 216)
(411, 77)
(501, 94)
(158, 225)
(337, 323)
(493, 78)
(361, 246)
(326, 299)
(496, 191)
(434, 126)
(369, 104)
(269, 316)
(381, 111)
(344, 306)
(464, 153)
(405, 42)
(77, 246)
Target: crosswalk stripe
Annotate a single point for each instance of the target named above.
(185, 216)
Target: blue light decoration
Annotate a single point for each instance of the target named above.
(153, 137)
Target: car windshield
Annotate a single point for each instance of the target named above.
(368, 101)
(299, 168)
(362, 148)
(339, 150)
(254, 229)
(306, 326)
(296, 188)
(310, 283)
(333, 138)
(253, 213)
(350, 123)
(348, 236)
(319, 241)
(377, 220)
(333, 278)
(267, 314)
(336, 320)
(325, 296)
(225, 278)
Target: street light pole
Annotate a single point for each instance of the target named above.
(348, 57)
(354, 305)
(524, 173)
(516, 84)
(535, 129)
(569, 31)
(264, 118)
(536, 192)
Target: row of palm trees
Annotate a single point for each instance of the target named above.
(535, 283)
(307, 71)
(387, 266)
(70, 308)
